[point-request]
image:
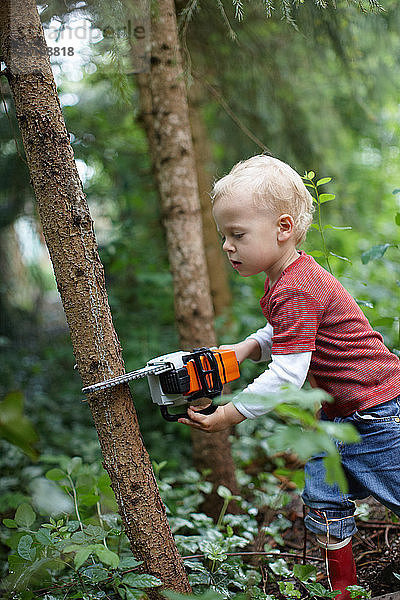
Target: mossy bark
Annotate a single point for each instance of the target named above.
(68, 230)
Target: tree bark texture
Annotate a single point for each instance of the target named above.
(68, 230)
(164, 96)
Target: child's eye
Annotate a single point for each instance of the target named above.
(223, 238)
(238, 236)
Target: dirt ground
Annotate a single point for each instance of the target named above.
(376, 548)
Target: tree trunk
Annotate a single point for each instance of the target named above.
(164, 97)
(68, 230)
(216, 262)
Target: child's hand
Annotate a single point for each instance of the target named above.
(225, 416)
(247, 349)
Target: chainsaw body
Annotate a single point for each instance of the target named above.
(178, 378)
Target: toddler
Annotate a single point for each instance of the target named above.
(314, 329)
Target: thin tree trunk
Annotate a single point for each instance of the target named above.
(164, 97)
(68, 230)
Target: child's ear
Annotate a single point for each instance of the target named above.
(285, 227)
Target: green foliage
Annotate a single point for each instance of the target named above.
(291, 420)
(14, 425)
(319, 199)
(80, 547)
(327, 99)
(80, 551)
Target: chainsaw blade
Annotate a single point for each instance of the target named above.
(155, 369)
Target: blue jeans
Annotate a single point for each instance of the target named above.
(371, 466)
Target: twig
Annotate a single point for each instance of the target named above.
(236, 119)
(285, 554)
(376, 522)
(378, 525)
(304, 536)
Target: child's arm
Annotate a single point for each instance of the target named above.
(249, 348)
(225, 416)
(284, 369)
(256, 347)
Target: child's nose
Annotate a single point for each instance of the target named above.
(227, 246)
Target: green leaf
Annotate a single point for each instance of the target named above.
(364, 303)
(15, 427)
(341, 257)
(95, 573)
(279, 567)
(287, 410)
(71, 548)
(88, 499)
(95, 533)
(82, 555)
(10, 523)
(288, 590)
(335, 473)
(397, 218)
(25, 516)
(357, 591)
(107, 556)
(317, 253)
(304, 572)
(324, 180)
(326, 198)
(43, 537)
(224, 492)
(56, 475)
(337, 227)
(344, 432)
(310, 175)
(374, 253)
(177, 523)
(213, 550)
(73, 526)
(74, 464)
(141, 581)
(316, 589)
(130, 594)
(25, 549)
(129, 562)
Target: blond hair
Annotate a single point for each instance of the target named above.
(274, 185)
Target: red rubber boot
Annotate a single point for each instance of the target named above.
(340, 566)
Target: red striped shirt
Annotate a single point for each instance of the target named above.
(310, 311)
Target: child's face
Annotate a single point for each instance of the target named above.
(251, 238)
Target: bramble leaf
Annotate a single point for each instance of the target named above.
(25, 516)
(25, 549)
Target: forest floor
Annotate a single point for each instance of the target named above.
(376, 548)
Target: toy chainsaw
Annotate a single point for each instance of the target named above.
(178, 378)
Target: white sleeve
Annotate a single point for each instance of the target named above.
(264, 337)
(284, 369)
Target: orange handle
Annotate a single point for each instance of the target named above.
(228, 369)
